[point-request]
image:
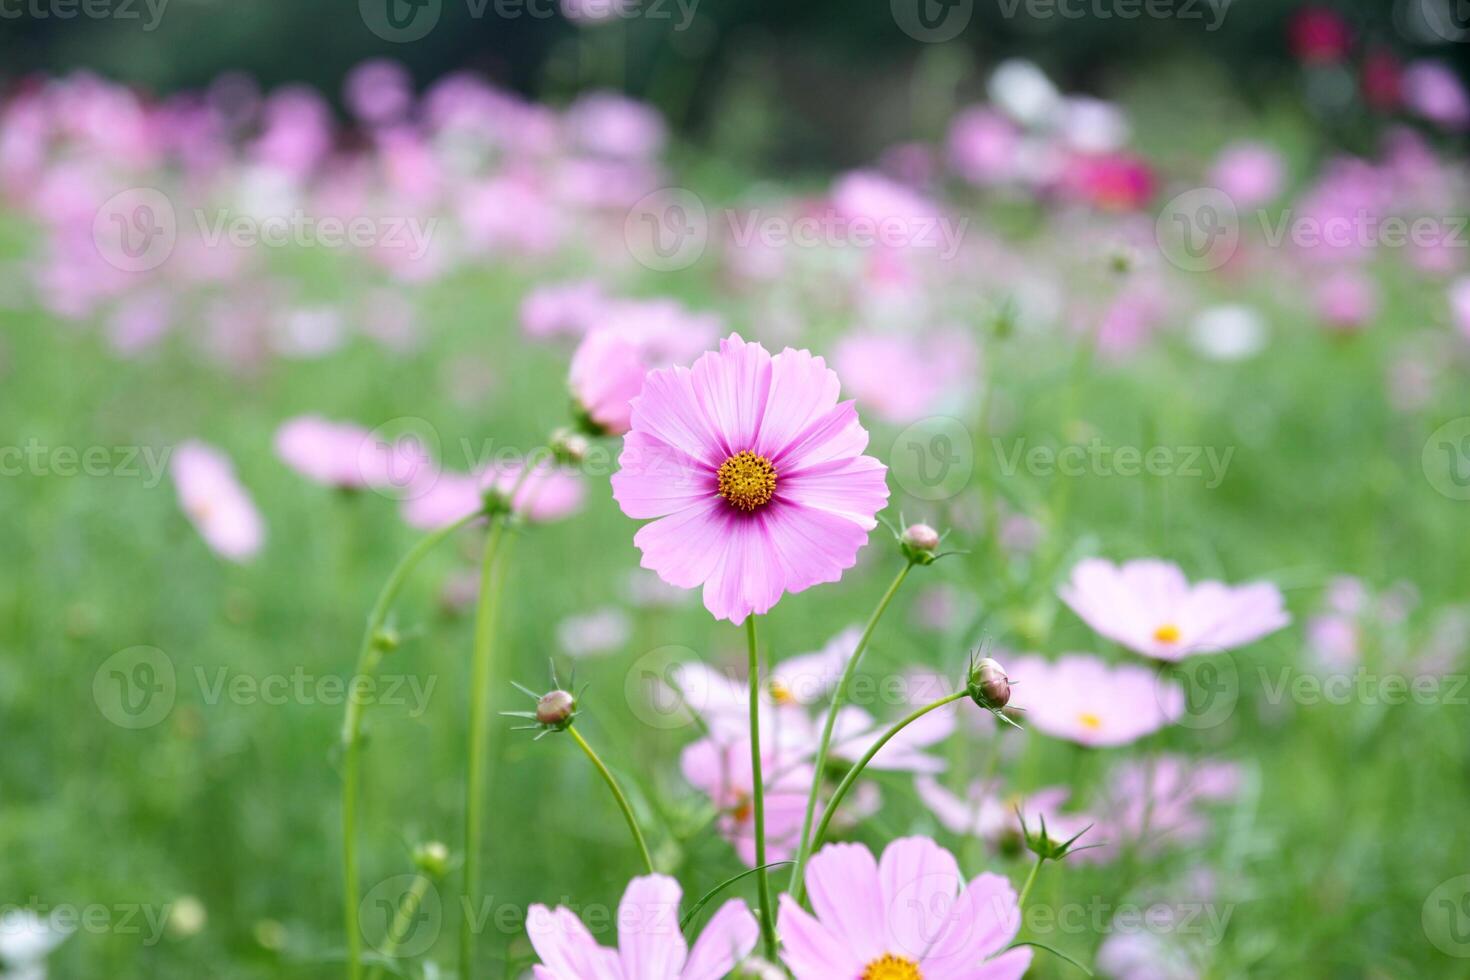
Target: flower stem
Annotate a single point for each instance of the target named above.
(368, 655)
(805, 845)
(758, 795)
(617, 793)
(492, 582)
(858, 767)
(408, 906)
(1030, 880)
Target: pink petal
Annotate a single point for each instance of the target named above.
(729, 937)
(731, 389)
(649, 941)
(685, 548)
(802, 388)
(842, 880)
(654, 479)
(809, 950)
(749, 579)
(986, 918)
(921, 881)
(567, 948)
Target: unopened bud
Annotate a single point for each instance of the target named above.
(432, 858)
(569, 446)
(555, 709)
(989, 686)
(919, 543)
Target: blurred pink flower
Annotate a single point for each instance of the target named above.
(1084, 700)
(651, 944)
(911, 914)
(1251, 174)
(594, 633)
(550, 493)
(720, 767)
(809, 678)
(567, 309)
(984, 147)
(1110, 181)
(1346, 300)
(613, 125)
(753, 476)
(902, 377)
(1319, 36)
(378, 91)
(1434, 91)
(349, 457)
(1157, 802)
(1333, 641)
(985, 813)
(214, 500)
(1150, 607)
(1459, 296)
(140, 321)
(856, 731)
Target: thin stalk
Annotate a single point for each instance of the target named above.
(758, 795)
(492, 579)
(408, 906)
(858, 767)
(805, 845)
(368, 656)
(617, 793)
(1030, 880)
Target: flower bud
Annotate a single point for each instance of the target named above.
(989, 686)
(432, 858)
(919, 542)
(569, 447)
(556, 709)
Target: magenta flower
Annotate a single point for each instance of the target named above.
(1084, 700)
(1149, 606)
(213, 499)
(753, 474)
(650, 945)
(910, 916)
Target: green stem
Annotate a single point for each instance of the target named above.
(492, 580)
(857, 770)
(368, 655)
(402, 918)
(758, 795)
(617, 793)
(806, 845)
(1030, 880)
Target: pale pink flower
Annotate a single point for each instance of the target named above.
(1150, 607)
(1251, 174)
(809, 678)
(1435, 92)
(347, 456)
(856, 731)
(1144, 955)
(650, 943)
(613, 125)
(1347, 300)
(563, 309)
(911, 914)
(1158, 802)
(987, 813)
(753, 474)
(378, 91)
(1082, 699)
(720, 767)
(985, 147)
(215, 501)
(901, 377)
(550, 493)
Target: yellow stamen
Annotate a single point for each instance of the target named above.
(1090, 721)
(1168, 633)
(747, 481)
(781, 694)
(890, 967)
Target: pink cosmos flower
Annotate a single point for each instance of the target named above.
(1434, 91)
(901, 377)
(808, 678)
(1159, 802)
(987, 813)
(1347, 300)
(909, 915)
(347, 456)
(213, 499)
(719, 766)
(609, 124)
(548, 494)
(856, 731)
(1082, 699)
(378, 91)
(1250, 173)
(753, 474)
(985, 147)
(650, 944)
(1148, 606)
(1110, 181)
(562, 309)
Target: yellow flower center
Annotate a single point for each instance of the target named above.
(781, 694)
(890, 967)
(1168, 633)
(747, 481)
(1090, 721)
